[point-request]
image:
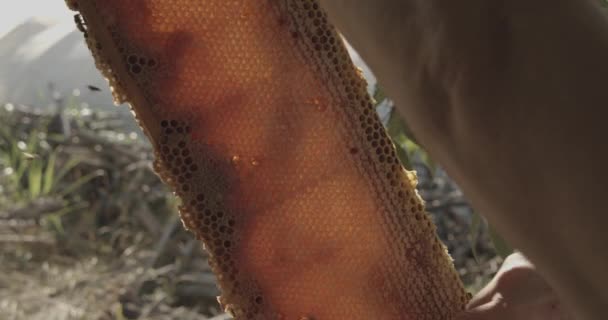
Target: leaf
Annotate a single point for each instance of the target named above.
(474, 234)
(32, 142)
(500, 245)
(29, 156)
(34, 178)
(428, 162)
(402, 136)
(414, 150)
(379, 95)
(396, 130)
(397, 126)
(48, 180)
(54, 219)
(17, 163)
(81, 181)
(70, 164)
(403, 157)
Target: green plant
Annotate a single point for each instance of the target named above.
(31, 169)
(408, 148)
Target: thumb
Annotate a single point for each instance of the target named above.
(499, 309)
(493, 310)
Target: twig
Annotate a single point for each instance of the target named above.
(445, 205)
(142, 211)
(90, 138)
(34, 209)
(161, 246)
(14, 238)
(151, 307)
(15, 224)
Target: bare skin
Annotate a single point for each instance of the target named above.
(510, 97)
(517, 291)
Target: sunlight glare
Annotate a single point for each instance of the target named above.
(13, 13)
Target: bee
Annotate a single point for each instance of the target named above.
(93, 88)
(29, 156)
(80, 24)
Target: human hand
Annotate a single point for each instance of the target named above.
(488, 87)
(516, 292)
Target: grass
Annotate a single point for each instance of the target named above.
(87, 194)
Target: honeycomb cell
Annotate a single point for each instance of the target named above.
(263, 128)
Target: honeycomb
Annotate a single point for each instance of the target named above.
(262, 126)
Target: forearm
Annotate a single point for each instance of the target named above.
(510, 99)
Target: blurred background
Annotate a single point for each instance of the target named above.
(88, 231)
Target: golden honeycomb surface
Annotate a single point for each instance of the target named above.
(264, 129)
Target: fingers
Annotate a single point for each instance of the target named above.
(499, 309)
(492, 310)
(522, 285)
(517, 281)
(485, 295)
(516, 292)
